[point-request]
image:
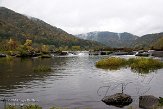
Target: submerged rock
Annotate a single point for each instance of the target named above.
(148, 102)
(118, 100)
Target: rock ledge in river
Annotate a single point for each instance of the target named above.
(118, 100)
(148, 102)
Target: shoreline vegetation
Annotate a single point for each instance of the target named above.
(31, 107)
(28, 49)
(141, 65)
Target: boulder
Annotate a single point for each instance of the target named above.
(3, 55)
(118, 100)
(148, 102)
(63, 53)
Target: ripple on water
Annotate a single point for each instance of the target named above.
(74, 82)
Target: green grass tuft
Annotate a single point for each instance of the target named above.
(141, 65)
(145, 65)
(112, 63)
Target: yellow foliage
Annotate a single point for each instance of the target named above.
(28, 42)
(45, 48)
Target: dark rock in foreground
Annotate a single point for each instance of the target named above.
(148, 102)
(118, 100)
(3, 55)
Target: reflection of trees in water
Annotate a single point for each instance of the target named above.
(18, 72)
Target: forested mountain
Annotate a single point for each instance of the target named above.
(148, 41)
(20, 27)
(110, 39)
(120, 40)
(158, 44)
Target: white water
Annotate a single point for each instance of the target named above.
(81, 54)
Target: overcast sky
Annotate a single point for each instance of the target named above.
(80, 16)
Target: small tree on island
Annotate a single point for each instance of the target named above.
(45, 49)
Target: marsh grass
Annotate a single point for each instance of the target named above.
(145, 65)
(141, 65)
(112, 63)
(42, 68)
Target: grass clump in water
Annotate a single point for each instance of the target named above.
(145, 65)
(141, 65)
(112, 63)
(42, 68)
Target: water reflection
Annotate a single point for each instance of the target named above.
(73, 82)
(143, 71)
(138, 65)
(135, 70)
(19, 73)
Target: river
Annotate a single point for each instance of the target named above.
(73, 82)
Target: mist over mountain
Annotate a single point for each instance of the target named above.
(110, 39)
(120, 40)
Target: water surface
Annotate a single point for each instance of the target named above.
(73, 83)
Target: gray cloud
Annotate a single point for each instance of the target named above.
(79, 16)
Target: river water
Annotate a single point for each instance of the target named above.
(74, 82)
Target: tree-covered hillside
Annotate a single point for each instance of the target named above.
(158, 44)
(147, 41)
(20, 28)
